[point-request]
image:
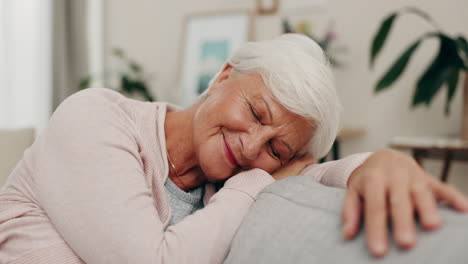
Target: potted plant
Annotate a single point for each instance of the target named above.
(443, 72)
(132, 81)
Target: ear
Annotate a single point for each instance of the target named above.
(224, 74)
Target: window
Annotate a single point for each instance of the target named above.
(25, 63)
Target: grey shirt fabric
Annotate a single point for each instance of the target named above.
(297, 220)
(183, 203)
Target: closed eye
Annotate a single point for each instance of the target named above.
(254, 113)
(274, 151)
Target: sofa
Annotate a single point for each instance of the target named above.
(13, 143)
(297, 220)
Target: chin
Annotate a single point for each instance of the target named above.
(213, 171)
(213, 164)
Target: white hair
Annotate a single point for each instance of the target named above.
(298, 73)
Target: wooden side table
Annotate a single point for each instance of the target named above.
(439, 148)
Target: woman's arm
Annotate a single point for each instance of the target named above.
(92, 186)
(336, 173)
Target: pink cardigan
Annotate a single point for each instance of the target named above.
(91, 189)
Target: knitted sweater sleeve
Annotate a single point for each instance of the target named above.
(90, 182)
(336, 173)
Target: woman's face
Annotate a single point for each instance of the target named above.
(240, 126)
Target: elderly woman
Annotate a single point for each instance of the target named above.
(114, 180)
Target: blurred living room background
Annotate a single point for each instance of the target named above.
(168, 51)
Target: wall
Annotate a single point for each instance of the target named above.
(150, 31)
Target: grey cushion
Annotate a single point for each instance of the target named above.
(298, 221)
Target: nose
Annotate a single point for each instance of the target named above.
(254, 141)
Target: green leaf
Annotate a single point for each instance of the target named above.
(430, 83)
(398, 67)
(452, 82)
(462, 45)
(381, 36)
(287, 27)
(139, 86)
(118, 52)
(438, 72)
(134, 67)
(126, 84)
(84, 83)
(421, 13)
(334, 62)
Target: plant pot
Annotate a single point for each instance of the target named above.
(464, 130)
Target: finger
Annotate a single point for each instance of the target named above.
(351, 214)
(426, 206)
(375, 212)
(402, 215)
(451, 195)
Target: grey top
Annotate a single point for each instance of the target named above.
(183, 203)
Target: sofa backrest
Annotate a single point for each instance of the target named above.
(13, 143)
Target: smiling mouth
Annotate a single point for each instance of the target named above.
(230, 156)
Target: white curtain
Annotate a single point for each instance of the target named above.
(78, 43)
(25, 63)
(46, 47)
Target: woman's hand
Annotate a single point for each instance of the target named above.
(292, 168)
(391, 185)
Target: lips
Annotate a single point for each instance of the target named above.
(230, 156)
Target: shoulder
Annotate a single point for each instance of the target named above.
(92, 103)
(90, 109)
(102, 99)
(92, 96)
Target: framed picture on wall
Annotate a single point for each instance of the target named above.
(208, 40)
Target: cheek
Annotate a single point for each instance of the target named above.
(221, 113)
(211, 160)
(233, 117)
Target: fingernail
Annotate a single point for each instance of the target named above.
(346, 228)
(345, 233)
(347, 225)
(379, 248)
(434, 219)
(465, 206)
(406, 238)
